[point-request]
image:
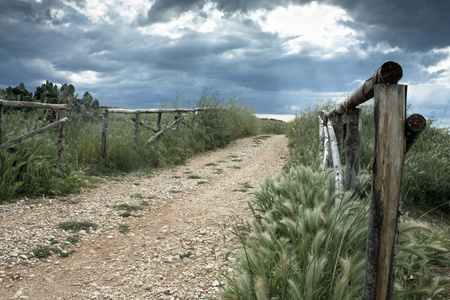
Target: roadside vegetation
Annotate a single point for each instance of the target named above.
(299, 245)
(32, 168)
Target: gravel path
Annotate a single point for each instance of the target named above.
(175, 247)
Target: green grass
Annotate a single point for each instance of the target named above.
(185, 255)
(128, 207)
(175, 191)
(300, 245)
(218, 171)
(124, 229)
(76, 226)
(126, 214)
(73, 239)
(41, 252)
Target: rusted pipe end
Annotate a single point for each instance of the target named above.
(390, 72)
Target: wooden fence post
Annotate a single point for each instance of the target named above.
(353, 147)
(178, 117)
(104, 135)
(62, 135)
(389, 154)
(159, 122)
(338, 126)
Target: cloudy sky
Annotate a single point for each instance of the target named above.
(278, 56)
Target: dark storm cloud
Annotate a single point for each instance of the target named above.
(166, 10)
(134, 66)
(404, 23)
(414, 24)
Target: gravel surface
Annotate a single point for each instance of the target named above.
(175, 247)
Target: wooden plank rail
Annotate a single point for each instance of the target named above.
(60, 123)
(138, 122)
(394, 136)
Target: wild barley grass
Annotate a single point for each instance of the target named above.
(300, 245)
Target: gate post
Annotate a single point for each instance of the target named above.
(62, 135)
(384, 215)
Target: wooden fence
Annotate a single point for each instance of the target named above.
(60, 123)
(138, 122)
(394, 135)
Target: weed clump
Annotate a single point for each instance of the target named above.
(77, 226)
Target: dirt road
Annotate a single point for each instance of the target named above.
(175, 247)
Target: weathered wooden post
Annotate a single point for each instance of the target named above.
(338, 126)
(62, 134)
(178, 117)
(159, 122)
(389, 154)
(353, 146)
(104, 135)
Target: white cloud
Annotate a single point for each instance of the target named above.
(109, 11)
(188, 21)
(441, 67)
(84, 77)
(314, 27)
(57, 13)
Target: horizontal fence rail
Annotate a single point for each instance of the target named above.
(60, 122)
(389, 73)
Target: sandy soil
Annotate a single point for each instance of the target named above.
(176, 245)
